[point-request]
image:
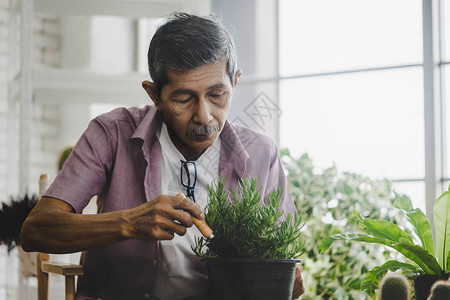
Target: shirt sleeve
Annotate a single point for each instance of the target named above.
(277, 178)
(85, 172)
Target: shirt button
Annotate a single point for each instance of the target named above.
(154, 262)
(146, 296)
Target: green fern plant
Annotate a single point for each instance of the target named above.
(256, 229)
(418, 249)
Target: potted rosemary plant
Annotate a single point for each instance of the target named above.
(263, 262)
(425, 264)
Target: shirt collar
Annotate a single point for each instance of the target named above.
(146, 132)
(233, 155)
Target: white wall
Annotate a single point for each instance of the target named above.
(4, 44)
(4, 47)
(44, 132)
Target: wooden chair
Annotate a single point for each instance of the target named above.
(45, 267)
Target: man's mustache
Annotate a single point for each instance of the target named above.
(202, 130)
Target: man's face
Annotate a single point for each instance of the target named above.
(195, 105)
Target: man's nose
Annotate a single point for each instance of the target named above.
(203, 114)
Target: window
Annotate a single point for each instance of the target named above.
(326, 35)
(367, 122)
(351, 81)
(445, 16)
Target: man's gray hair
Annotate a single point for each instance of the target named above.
(185, 42)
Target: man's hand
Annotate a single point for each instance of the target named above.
(299, 289)
(161, 218)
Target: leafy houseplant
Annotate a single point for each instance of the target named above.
(63, 156)
(266, 244)
(326, 198)
(12, 216)
(422, 257)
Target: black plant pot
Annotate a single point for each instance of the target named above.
(423, 284)
(249, 279)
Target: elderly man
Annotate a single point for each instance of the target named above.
(138, 245)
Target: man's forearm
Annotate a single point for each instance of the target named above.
(55, 229)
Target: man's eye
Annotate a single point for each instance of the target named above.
(183, 101)
(216, 96)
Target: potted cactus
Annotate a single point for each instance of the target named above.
(394, 285)
(266, 245)
(440, 290)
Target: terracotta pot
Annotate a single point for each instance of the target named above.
(423, 284)
(258, 279)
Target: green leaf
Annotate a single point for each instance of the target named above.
(348, 189)
(441, 210)
(372, 279)
(403, 202)
(416, 253)
(383, 229)
(418, 220)
(354, 283)
(448, 262)
(422, 228)
(327, 242)
(370, 284)
(421, 256)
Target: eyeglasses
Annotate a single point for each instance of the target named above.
(187, 168)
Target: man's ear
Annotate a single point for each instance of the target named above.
(236, 76)
(152, 91)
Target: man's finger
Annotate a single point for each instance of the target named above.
(183, 217)
(188, 205)
(299, 289)
(173, 227)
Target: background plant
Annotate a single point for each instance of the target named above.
(255, 229)
(12, 216)
(420, 255)
(327, 199)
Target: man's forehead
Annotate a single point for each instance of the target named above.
(213, 75)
